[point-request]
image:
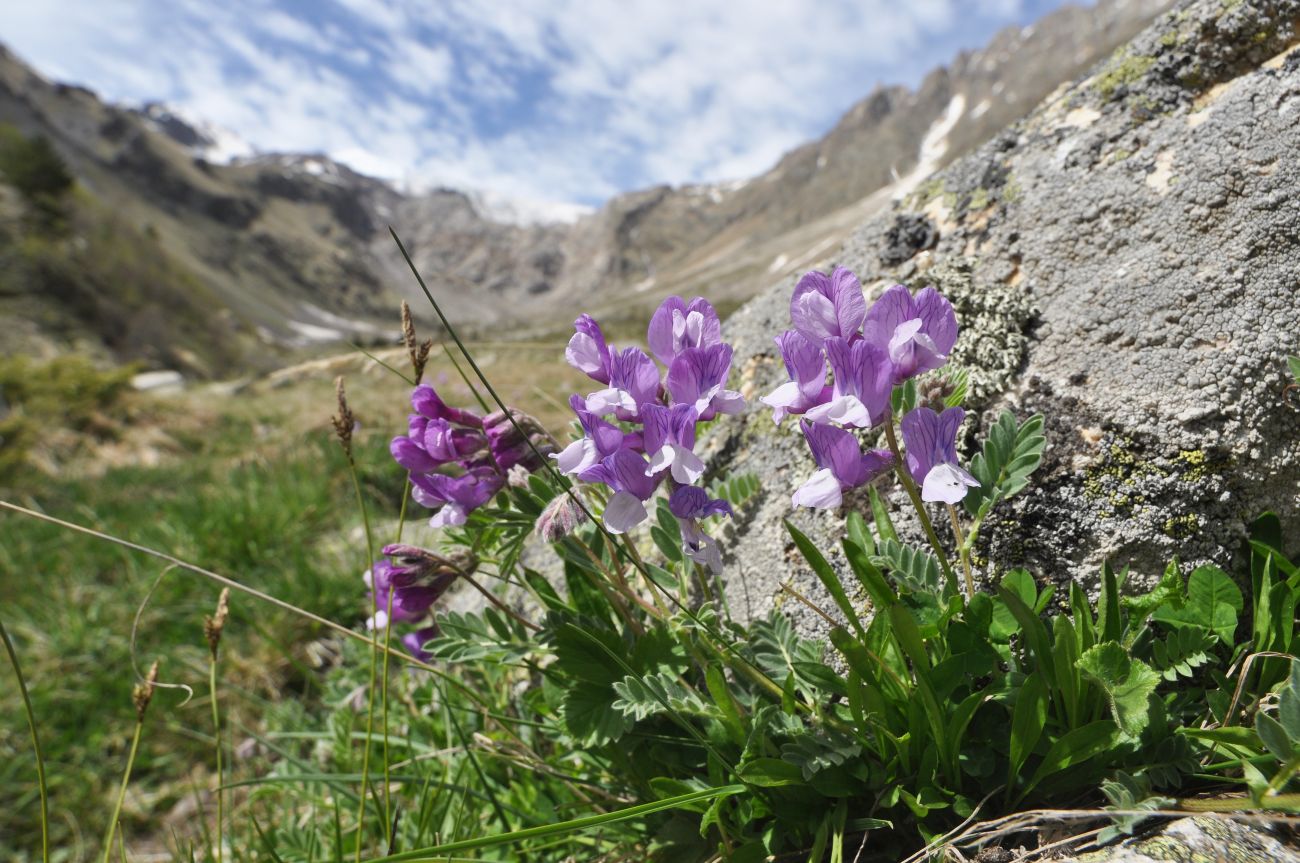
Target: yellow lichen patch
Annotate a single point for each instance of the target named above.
(1159, 178)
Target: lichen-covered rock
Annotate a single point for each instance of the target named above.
(1126, 261)
(1197, 840)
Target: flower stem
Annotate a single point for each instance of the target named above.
(963, 550)
(216, 729)
(36, 745)
(906, 479)
(121, 794)
(374, 661)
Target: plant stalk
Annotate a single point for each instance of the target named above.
(36, 744)
(121, 794)
(216, 729)
(963, 550)
(906, 479)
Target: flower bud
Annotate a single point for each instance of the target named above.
(561, 518)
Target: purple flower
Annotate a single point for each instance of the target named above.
(587, 351)
(426, 402)
(697, 378)
(842, 465)
(690, 504)
(677, 326)
(863, 382)
(691, 501)
(600, 439)
(625, 472)
(931, 441)
(414, 642)
(806, 366)
(917, 333)
(455, 497)
(433, 443)
(824, 307)
(516, 440)
(669, 437)
(633, 382)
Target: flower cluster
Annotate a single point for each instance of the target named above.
(639, 429)
(869, 351)
(483, 448)
(404, 587)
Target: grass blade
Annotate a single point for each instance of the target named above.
(36, 744)
(437, 852)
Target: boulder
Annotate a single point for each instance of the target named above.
(1125, 261)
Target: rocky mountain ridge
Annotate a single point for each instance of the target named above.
(293, 248)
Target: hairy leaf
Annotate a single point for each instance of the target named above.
(1127, 683)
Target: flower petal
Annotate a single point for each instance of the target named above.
(821, 491)
(947, 483)
(623, 512)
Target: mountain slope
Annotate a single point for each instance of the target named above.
(293, 249)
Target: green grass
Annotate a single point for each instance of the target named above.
(69, 601)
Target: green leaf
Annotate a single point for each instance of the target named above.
(1168, 591)
(1213, 603)
(1027, 722)
(770, 773)
(778, 647)
(1128, 683)
(1108, 605)
(1293, 363)
(872, 580)
(1279, 743)
(1035, 634)
(916, 570)
(1232, 735)
(580, 654)
(590, 715)
(672, 551)
(1074, 747)
(1288, 703)
(827, 576)
(817, 751)
(884, 527)
(642, 696)
(856, 531)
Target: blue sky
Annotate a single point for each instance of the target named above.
(549, 100)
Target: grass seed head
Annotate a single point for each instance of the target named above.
(344, 421)
(213, 626)
(142, 694)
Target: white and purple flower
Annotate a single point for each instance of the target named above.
(805, 363)
(698, 377)
(691, 503)
(863, 383)
(931, 441)
(633, 382)
(824, 307)
(916, 333)
(669, 439)
(842, 464)
(626, 472)
(677, 325)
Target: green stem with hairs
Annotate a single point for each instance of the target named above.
(36, 744)
(963, 550)
(906, 479)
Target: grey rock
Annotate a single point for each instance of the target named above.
(1126, 261)
(1197, 840)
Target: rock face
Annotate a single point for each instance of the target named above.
(1193, 840)
(1125, 261)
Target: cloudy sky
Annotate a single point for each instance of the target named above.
(550, 100)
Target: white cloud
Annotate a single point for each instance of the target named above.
(564, 100)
